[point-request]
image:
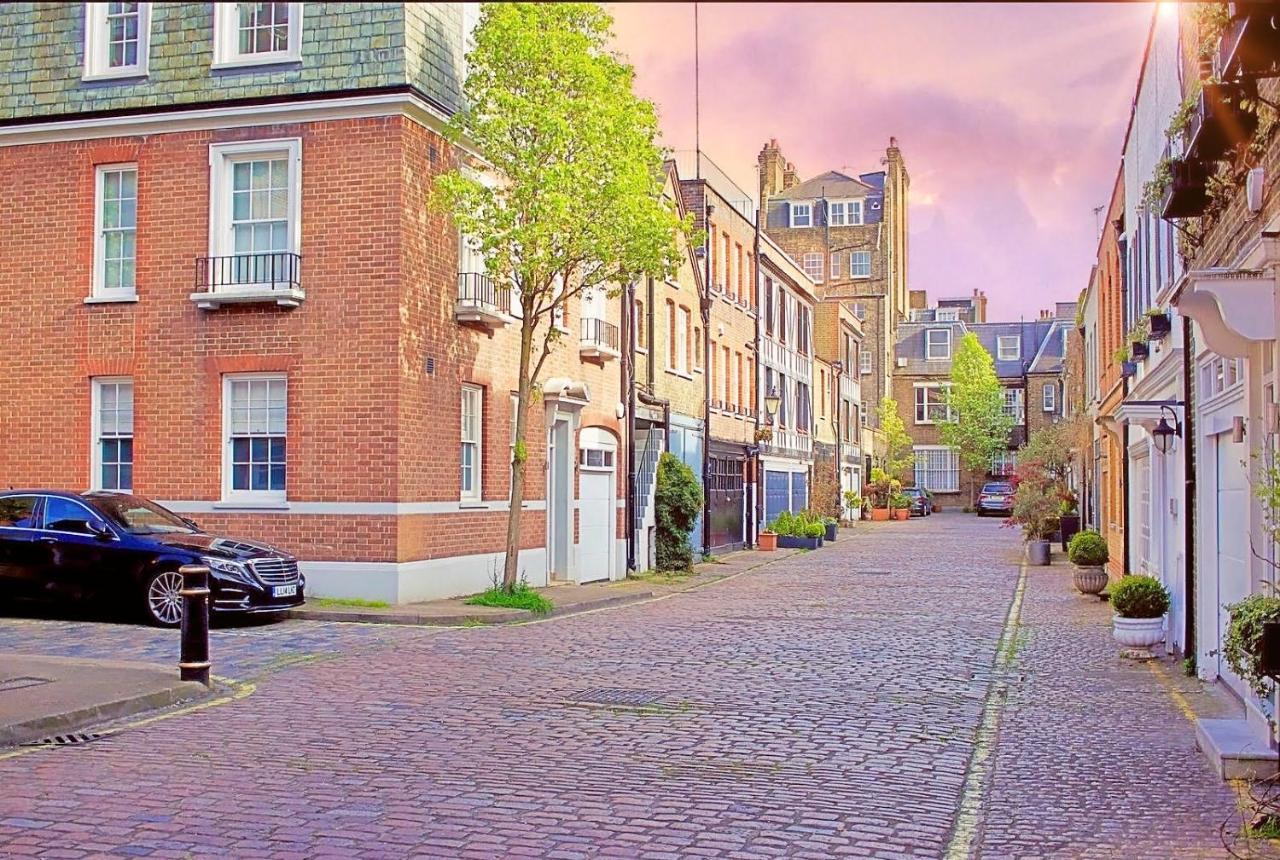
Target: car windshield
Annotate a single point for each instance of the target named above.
(139, 516)
(998, 488)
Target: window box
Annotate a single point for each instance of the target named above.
(1185, 196)
(599, 340)
(1250, 46)
(1128, 368)
(790, 542)
(1139, 349)
(1160, 325)
(481, 302)
(1218, 123)
(249, 278)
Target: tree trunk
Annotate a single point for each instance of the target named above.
(519, 460)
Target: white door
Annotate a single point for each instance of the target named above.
(597, 508)
(1231, 521)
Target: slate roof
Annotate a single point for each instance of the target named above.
(833, 185)
(1039, 351)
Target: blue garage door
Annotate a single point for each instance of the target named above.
(776, 495)
(799, 492)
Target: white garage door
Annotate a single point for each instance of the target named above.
(597, 507)
(1232, 502)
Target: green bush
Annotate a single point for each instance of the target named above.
(814, 530)
(1088, 549)
(520, 597)
(677, 504)
(1139, 597)
(900, 501)
(1243, 642)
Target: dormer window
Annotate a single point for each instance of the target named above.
(253, 34)
(801, 214)
(1008, 347)
(116, 40)
(937, 344)
(844, 213)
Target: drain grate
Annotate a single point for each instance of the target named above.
(872, 572)
(616, 698)
(22, 682)
(74, 739)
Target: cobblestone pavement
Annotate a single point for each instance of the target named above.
(823, 706)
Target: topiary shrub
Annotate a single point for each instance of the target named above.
(1242, 645)
(677, 504)
(1139, 597)
(1088, 549)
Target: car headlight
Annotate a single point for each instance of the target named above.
(234, 569)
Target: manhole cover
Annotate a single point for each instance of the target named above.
(872, 572)
(71, 740)
(616, 698)
(21, 683)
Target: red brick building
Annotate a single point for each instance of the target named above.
(252, 314)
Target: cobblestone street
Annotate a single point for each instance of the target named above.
(826, 705)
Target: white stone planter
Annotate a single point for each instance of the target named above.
(1138, 632)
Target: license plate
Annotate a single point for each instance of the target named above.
(284, 591)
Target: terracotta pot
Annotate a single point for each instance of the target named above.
(902, 514)
(879, 515)
(1138, 632)
(767, 541)
(1089, 580)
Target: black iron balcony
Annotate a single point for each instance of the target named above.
(599, 339)
(1186, 195)
(273, 276)
(1250, 46)
(1219, 121)
(482, 302)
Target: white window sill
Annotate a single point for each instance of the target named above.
(252, 60)
(680, 373)
(251, 505)
(115, 74)
(109, 299)
(641, 350)
(473, 504)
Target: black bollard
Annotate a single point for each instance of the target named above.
(193, 664)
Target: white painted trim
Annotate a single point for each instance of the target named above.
(95, 427)
(98, 292)
(1017, 347)
(221, 157)
(472, 498)
(227, 116)
(226, 30)
(791, 213)
(95, 45)
(413, 581)
(353, 508)
(250, 498)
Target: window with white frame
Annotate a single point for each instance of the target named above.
(1013, 404)
(844, 213)
(860, 264)
(813, 267)
(117, 40)
(255, 206)
(864, 362)
(801, 214)
(860, 310)
(255, 421)
(931, 404)
(112, 434)
(681, 338)
(937, 344)
(1008, 347)
(937, 469)
(1049, 397)
(1004, 463)
(472, 400)
(246, 34)
(835, 266)
(115, 233)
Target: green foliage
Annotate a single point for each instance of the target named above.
(1141, 331)
(1041, 488)
(900, 453)
(802, 524)
(815, 530)
(852, 501)
(1189, 666)
(1088, 549)
(976, 426)
(1121, 354)
(1266, 489)
(354, 602)
(1242, 645)
(881, 488)
(519, 597)
(677, 503)
(1139, 596)
(900, 501)
(521, 452)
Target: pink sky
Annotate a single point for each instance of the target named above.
(1010, 117)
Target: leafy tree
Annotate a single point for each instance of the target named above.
(1041, 482)
(900, 455)
(976, 426)
(575, 203)
(677, 503)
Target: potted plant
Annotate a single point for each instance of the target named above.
(1035, 508)
(900, 504)
(793, 532)
(878, 491)
(815, 532)
(1140, 603)
(832, 525)
(1242, 646)
(1159, 323)
(767, 540)
(1068, 519)
(1088, 553)
(853, 504)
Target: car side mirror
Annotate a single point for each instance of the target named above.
(101, 531)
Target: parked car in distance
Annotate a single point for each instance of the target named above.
(996, 498)
(115, 546)
(921, 504)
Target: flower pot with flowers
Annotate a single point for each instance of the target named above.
(900, 504)
(879, 491)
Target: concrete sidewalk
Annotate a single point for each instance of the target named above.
(45, 696)
(568, 598)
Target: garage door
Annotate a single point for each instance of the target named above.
(597, 507)
(1232, 508)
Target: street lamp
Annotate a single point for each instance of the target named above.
(771, 403)
(1164, 432)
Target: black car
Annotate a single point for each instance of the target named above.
(996, 498)
(56, 545)
(921, 504)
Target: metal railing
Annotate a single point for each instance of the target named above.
(477, 288)
(273, 270)
(600, 333)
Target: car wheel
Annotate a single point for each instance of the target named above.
(162, 599)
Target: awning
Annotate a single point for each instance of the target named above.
(1233, 307)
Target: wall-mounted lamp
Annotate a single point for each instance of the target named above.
(771, 403)
(1165, 433)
